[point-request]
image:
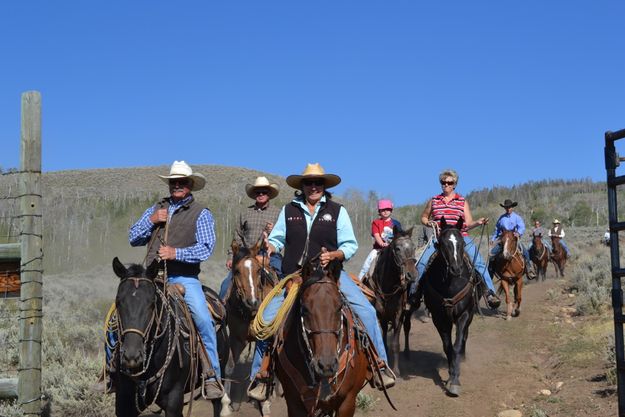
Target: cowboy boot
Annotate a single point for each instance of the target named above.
(259, 387)
(212, 389)
(386, 378)
(492, 300)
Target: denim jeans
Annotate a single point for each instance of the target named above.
(365, 267)
(195, 299)
(472, 252)
(357, 301)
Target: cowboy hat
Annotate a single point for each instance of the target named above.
(262, 182)
(180, 169)
(313, 171)
(556, 221)
(508, 203)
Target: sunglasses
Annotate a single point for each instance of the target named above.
(262, 192)
(448, 182)
(317, 183)
(183, 182)
(385, 210)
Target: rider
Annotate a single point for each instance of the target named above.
(382, 232)
(513, 222)
(538, 230)
(257, 220)
(453, 207)
(310, 222)
(178, 230)
(557, 231)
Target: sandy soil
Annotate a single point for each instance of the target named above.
(508, 364)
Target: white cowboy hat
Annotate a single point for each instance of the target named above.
(180, 169)
(556, 221)
(262, 182)
(313, 171)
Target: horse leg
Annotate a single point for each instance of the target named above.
(125, 393)
(237, 373)
(347, 408)
(506, 289)
(518, 291)
(395, 346)
(407, 325)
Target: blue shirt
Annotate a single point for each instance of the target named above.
(141, 231)
(345, 237)
(512, 222)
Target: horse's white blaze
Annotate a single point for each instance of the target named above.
(248, 265)
(453, 240)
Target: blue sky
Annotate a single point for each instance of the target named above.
(384, 94)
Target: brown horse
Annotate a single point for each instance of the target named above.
(539, 254)
(558, 255)
(394, 271)
(509, 266)
(251, 282)
(322, 362)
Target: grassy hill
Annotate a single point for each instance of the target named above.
(87, 213)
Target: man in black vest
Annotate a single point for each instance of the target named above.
(181, 232)
(313, 221)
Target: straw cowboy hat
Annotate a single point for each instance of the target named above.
(262, 182)
(313, 171)
(508, 203)
(180, 169)
(556, 221)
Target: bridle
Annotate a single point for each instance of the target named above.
(307, 332)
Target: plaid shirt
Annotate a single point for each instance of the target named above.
(252, 222)
(141, 231)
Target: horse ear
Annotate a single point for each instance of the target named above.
(443, 222)
(460, 223)
(307, 269)
(152, 270)
(257, 246)
(119, 268)
(334, 268)
(409, 232)
(235, 247)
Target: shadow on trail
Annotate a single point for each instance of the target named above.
(423, 364)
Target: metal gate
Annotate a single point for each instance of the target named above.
(612, 161)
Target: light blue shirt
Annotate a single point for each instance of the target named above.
(512, 222)
(345, 237)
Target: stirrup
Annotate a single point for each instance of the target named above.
(259, 389)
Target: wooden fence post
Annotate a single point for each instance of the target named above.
(31, 297)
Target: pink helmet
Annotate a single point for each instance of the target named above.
(385, 204)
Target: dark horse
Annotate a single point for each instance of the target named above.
(394, 271)
(321, 359)
(509, 266)
(156, 359)
(558, 255)
(449, 296)
(539, 254)
(251, 282)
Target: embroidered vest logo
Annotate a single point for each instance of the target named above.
(326, 218)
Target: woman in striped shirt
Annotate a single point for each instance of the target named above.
(452, 207)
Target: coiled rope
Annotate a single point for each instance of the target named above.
(263, 330)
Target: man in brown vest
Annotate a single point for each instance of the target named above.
(179, 231)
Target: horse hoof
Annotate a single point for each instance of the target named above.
(508, 317)
(516, 313)
(453, 390)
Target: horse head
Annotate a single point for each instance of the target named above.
(247, 271)
(451, 246)
(403, 250)
(320, 309)
(509, 243)
(136, 312)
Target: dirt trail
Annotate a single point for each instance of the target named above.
(508, 364)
